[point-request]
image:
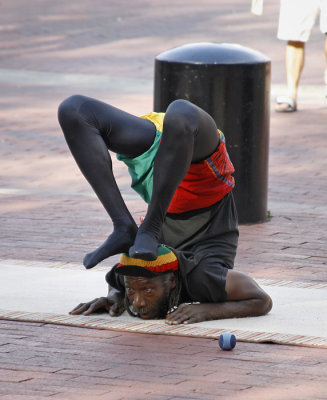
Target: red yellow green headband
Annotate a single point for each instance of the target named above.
(166, 261)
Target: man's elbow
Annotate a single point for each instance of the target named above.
(265, 304)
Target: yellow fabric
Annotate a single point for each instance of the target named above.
(156, 118)
(161, 260)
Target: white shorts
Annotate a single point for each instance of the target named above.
(297, 18)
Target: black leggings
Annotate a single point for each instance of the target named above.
(91, 127)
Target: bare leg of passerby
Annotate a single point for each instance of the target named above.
(294, 59)
(294, 66)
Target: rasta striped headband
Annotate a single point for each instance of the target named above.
(165, 262)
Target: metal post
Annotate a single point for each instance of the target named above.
(231, 83)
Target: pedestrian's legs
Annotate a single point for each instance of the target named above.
(189, 135)
(294, 66)
(294, 62)
(91, 128)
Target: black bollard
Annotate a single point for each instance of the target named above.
(231, 83)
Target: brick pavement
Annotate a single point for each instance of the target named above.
(48, 212)
(87, 364)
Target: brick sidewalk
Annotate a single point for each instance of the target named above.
(48, 212)
(89, 364)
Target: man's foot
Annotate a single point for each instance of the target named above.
(285, 104)
(145, 247)
(118, 242)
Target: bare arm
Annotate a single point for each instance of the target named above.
(245, 298)
(113, 304)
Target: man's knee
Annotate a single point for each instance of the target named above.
(67, 110)
(180, 117)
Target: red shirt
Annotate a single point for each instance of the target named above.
(206, 182)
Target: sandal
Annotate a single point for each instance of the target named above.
(285, 104)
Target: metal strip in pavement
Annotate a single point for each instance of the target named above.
(20, 192)
(41, 78)
(312, 94)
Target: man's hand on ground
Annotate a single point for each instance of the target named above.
(113, 304)
(188, 314)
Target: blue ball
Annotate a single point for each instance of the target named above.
(227, 341)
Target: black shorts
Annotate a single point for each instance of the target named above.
(205, 242)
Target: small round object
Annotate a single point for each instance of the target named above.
(227, 341)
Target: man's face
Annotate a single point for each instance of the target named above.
(149, 296)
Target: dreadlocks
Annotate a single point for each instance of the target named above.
(174, 298)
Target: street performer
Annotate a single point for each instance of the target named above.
(179, 263)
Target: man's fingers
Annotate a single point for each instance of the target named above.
(191, 320)
(79, 309)
(183, 319)
(176, 318)
(176, 321)
(82, 307)
(116, 309)
(183, 315)
(113, 310)
(92, 308)
(97, 304)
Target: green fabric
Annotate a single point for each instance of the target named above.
(141, 169)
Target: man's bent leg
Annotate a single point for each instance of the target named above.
(90, 128)
(189, 135)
